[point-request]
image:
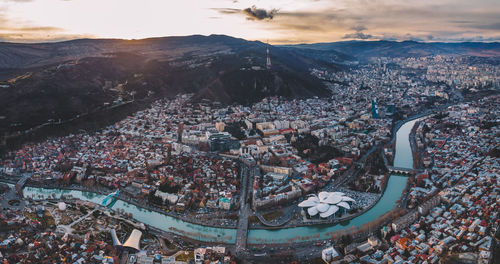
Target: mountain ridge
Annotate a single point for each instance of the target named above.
(408, 48)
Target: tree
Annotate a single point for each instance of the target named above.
(346, 239)
(235, 130)
(169, 187)
(83, 210)
(96, 214)
(154, 199)
(406, 253)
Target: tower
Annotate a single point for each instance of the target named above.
(268, 59)
(180, 129)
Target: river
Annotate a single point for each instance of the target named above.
(393, 192)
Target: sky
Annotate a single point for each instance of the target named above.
(275, 21)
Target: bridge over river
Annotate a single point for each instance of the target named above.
(22, 181)
(402, 170)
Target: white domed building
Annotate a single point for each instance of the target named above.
(327, 204)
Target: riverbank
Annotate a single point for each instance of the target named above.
(366, 200)
(137, 203)
(417, 157)
(122, 197)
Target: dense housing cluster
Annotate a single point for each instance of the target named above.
(454, 203)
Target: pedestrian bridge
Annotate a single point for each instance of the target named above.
(22, 181)
(111, 196)
(403, 171)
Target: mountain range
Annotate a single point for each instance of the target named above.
(362, 50)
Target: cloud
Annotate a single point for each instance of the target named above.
(254, 13)
(357, 35)
(227, 11)
(36, 38)
(358, 28)
(491, 26)
(303, 27)
(425, 20)
(15, 30)
(31, 29)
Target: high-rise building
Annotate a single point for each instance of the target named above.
(374, 109)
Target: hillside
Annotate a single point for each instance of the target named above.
(53, 81)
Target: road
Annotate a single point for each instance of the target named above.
(247, 175)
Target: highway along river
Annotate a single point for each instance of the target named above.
(393, 192)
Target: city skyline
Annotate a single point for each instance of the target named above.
(279, 22)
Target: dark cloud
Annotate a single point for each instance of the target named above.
(31, 29)
(439, 36)
(389, 38)
(30, 38)
(476, 39)
(303, 27)
(357, 35)
(406, 37)
(461, 21)
(254, 13)
(327, 16)
(492, 26)
(227, 11)
(358, 28)
(414, 38)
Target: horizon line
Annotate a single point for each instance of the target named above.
(289, 44)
